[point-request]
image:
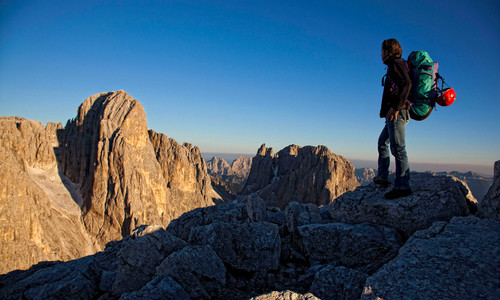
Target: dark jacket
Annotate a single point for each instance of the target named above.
(397, 86)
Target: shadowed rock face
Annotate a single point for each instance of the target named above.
(455, 260)
(434, 198)
(303, 174)
(490, 205)
(66, 192)
(243, 249)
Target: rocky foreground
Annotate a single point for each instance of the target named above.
(429, 245)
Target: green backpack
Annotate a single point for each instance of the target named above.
(424, 75)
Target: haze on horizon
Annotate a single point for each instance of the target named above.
(229, 76)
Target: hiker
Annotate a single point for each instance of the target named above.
(395, 111)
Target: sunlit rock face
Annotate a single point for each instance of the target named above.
(303, 174)
(66, 192)
(39, 206)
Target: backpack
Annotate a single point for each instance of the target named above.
(424, 76)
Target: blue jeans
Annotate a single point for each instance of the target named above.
(393, 134)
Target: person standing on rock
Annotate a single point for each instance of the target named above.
(394, 109)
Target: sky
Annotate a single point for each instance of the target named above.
(228, 76)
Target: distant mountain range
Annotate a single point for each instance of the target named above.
(219, 169)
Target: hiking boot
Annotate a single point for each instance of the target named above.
(381, 182)
(397, 193)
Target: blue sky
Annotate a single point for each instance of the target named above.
(228, 76)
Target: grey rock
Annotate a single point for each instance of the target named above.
(455, 260)
(197, 269)
(362, 246)
(338, 283)
(490, 205)
(297, 214)
(75, 279)
(434, 198)
(158, 289)
(233, 212)
(248, 247)
(256, 207)
(140, 254)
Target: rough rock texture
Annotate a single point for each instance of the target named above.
(490, 205)
(240, 250)
(124, 266)
(39, 217)
(197, 269)
(363, 246)
(160, 288)
(338, 283)
(218, 166)
(434, 198)
(248, 246)
(66, 192)
(185, 173)
(146, 249)
(303, 174)
(456, 260)
(128, 175)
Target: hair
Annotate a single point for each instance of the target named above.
(392, 47)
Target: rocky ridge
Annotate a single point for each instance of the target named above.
(66, 192)
(228, 180)
(244, 249)
(303, 174)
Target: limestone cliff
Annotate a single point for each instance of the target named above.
(66, 192)
(303, 174)
(228, 179)
(185, 173)
(129, 176)
(39, 213)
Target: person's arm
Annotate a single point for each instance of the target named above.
(399, 74)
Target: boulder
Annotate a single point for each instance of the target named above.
(455, 260)
(75, 279)
(434, 198)
(160, 288)
(362, 246)
(233, 212)
(333, 282)
(490, 205)
(139, 256)
(197, 269)
(297, 214)
(249, 246)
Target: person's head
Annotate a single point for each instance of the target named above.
(391, 49)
